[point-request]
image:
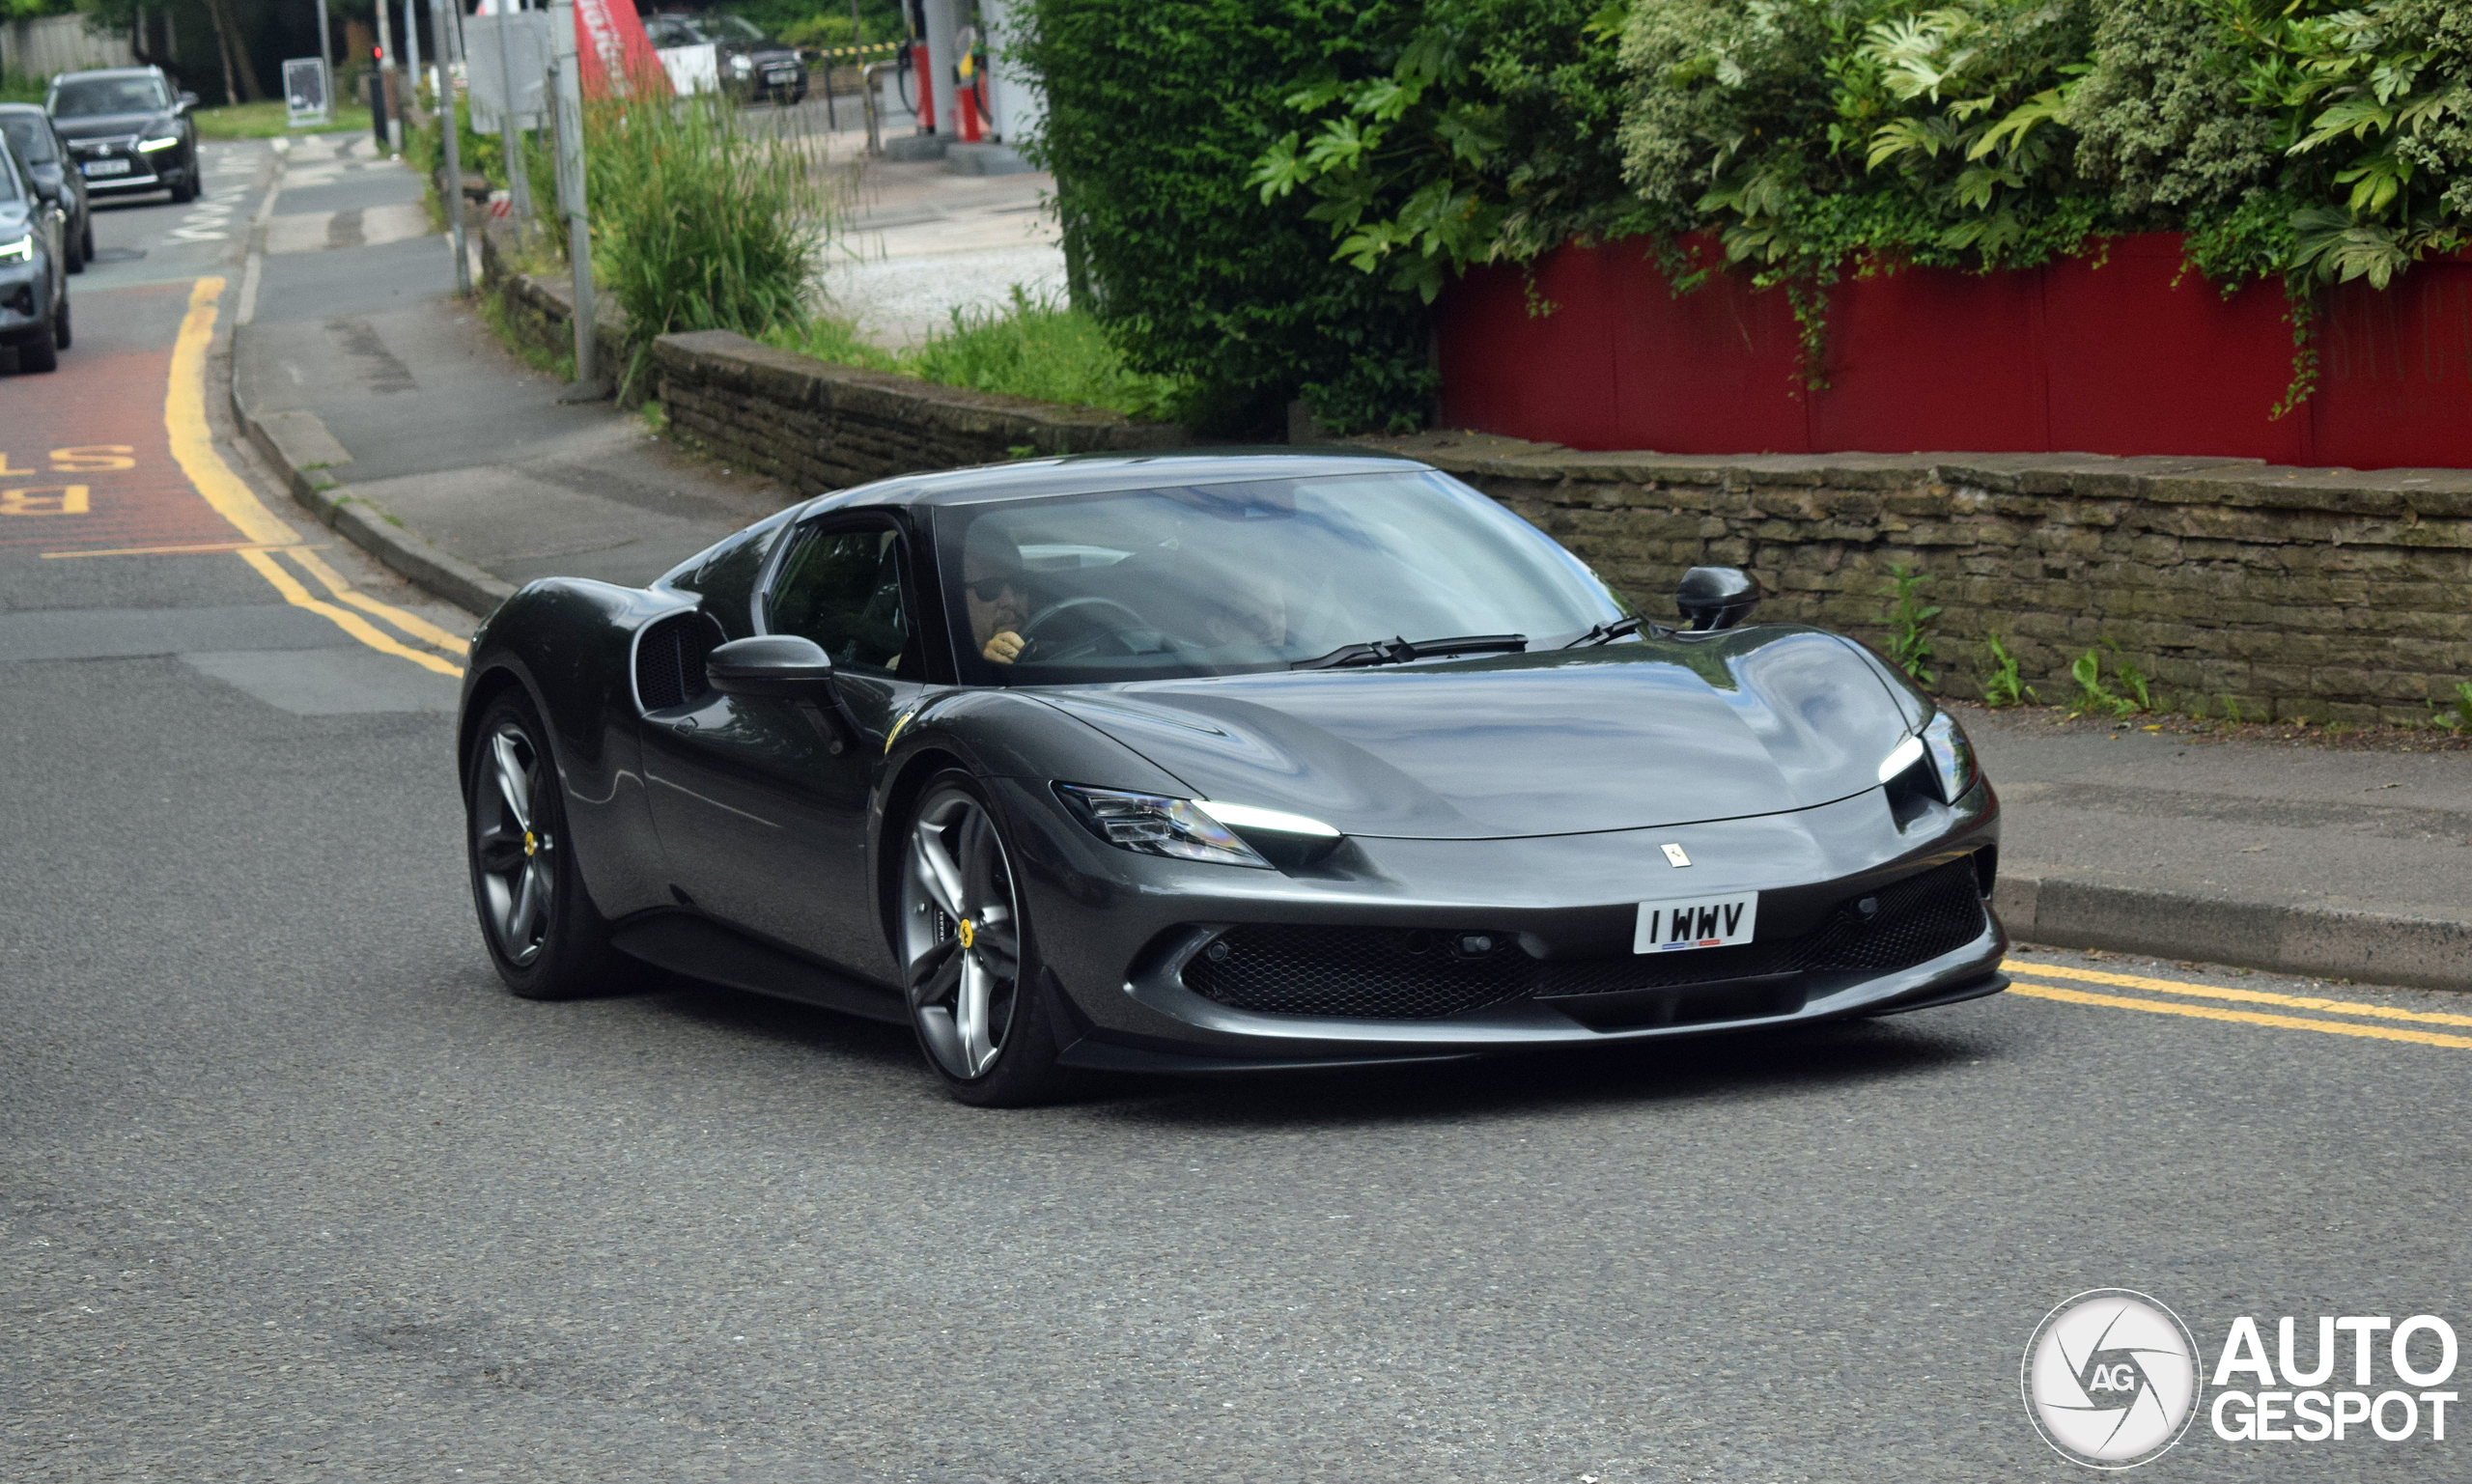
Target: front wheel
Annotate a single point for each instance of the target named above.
(968, 956)
(60, 325)
(546, 939)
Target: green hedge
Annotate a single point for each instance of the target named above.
(1260, 198)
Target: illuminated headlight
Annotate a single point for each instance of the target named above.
(19, 250)
(1186, 829)
(171, 142)
(742, 65)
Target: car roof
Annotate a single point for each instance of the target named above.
(1097, 473)
(109, 71)
(33, 108)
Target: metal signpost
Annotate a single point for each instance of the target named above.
(506, 61)
(566, 73)
(450, 125)
(305, 99)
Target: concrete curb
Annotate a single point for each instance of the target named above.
(299, 444)
(2366, 947)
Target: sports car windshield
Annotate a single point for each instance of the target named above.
(1259, 576)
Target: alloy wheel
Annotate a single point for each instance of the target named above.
(961, 932)
(517, 856)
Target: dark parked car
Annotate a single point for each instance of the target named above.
(753, 66)
(127, 130)
(45, 155)
(1124, 763)
(34, 272)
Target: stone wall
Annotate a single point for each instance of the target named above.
(811, 423)
(814, 425)
(2324, 594)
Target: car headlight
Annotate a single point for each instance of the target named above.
(742, 65)
(1943, 744)
(168, 142)
(1952, 756)
(19, 249)
(1186, 829)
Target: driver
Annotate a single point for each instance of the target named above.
(992, 591)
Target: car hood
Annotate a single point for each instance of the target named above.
(115, 126)
(1623, 737)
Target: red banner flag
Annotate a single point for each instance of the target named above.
(617, 56)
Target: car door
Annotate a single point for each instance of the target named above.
(761, 803)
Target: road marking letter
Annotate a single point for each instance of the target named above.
(92, 458)
(47, 500)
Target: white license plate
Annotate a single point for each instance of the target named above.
(1695, 922)
(96, 167)
(782, 77)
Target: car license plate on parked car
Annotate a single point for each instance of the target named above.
(782, 79)
(96, 167)
(1695, 922)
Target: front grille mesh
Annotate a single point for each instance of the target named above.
(669, 660)
(1389, 973)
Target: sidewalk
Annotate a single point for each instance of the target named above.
(360, 370)
(401, 419)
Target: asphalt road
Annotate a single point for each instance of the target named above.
(289, 1189)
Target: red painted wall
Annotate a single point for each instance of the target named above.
(2125, 354)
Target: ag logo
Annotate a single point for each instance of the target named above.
(2111, 1379)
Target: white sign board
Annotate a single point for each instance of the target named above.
(691, 70)
(526, 59)
(306, 97)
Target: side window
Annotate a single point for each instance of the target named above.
(842, 589)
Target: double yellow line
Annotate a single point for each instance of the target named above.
(2361, 1010)
(193, 449)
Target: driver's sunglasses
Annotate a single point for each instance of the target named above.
(989, 589)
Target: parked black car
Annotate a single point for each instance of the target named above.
(753, 66)
(129, 129)
(34, 283)
(44, 153)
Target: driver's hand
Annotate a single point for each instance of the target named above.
(1004, 648)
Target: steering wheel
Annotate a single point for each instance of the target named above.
(1086, 604)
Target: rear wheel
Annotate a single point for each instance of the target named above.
(546, 938)
(968, 956)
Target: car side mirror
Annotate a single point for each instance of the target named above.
(188, 100)
(1713, 598)
(781, 666)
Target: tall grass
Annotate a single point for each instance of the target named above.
(1034, 346)
(698, 226)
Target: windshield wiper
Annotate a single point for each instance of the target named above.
(1401, 651)
(1607, 633)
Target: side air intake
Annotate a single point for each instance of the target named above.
(669, 660)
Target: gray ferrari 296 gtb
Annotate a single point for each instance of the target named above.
(1207, 762)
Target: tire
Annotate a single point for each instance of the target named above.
(77, 252)
(969, 954)
(516, 841)
(86, 242)
(59, 325)
(186, 191)
(41, 354)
